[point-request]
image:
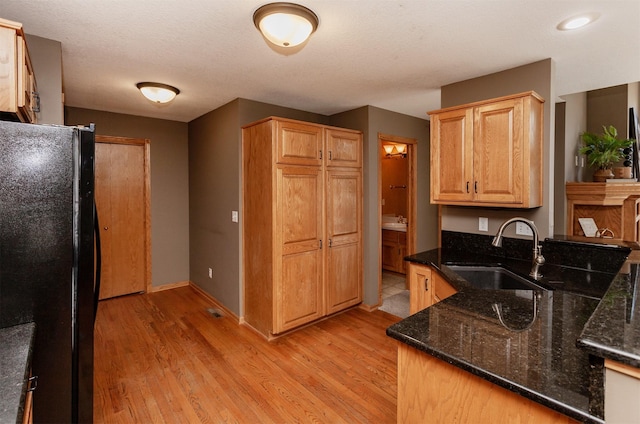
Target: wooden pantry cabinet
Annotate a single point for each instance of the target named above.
(302, 222)
(19, 99)
(488, 153)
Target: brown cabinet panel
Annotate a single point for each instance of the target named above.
(420, 288)
(426, 287)
(432, 390)
(394, 248)
(344, 148)
(302, 223)
(344, 276)
(299, 193)
(612, 206)
(488, 153)
(299, 293)
(299, 143)
(344, 206)
(452, 156)
(18, 90)
(498, 152)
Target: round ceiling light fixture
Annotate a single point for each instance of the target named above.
(157, 92)
(285, 24)
(577, 21)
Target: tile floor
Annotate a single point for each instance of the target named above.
(392, 283)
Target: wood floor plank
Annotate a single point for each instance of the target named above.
(161, 357)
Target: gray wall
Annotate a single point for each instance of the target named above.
(371, 121)
(608, 106)
(169, 184)
(46, 58)
(215, 187)
(538, 76)
(215, 190)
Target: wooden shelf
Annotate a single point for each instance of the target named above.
(615, 206)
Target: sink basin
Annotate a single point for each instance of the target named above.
(493, 278)
(396, 226)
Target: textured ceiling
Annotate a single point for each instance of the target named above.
(392, 54)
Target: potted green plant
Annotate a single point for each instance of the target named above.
(603, 151)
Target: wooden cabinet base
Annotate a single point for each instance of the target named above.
(431, 390)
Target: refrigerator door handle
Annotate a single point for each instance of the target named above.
(96, 289)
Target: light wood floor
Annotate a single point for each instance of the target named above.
(161, 357)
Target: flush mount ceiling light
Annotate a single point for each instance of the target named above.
(577, 21)
(285, 24)
(156, 92)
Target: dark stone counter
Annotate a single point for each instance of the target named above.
(613, 331)
(16, 345)
(524, 340)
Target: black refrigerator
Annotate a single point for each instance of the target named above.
(47, 269)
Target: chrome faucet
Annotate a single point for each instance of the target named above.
(538, 259)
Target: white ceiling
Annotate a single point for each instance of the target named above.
(392, 54)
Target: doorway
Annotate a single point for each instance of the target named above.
(122, 192)
(397, 214)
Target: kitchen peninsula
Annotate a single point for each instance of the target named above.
(513, 355)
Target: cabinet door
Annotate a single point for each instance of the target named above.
(441, 288)
(299, 143)
(343, 148)
(298, 264)
(420, 286)
(344, 240)
(498, 152)
(452, 156)
(8, 70)
(26, 89)
(389, 249)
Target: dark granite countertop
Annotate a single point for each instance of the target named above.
(534, 354)
(613, 331)
(16, 345)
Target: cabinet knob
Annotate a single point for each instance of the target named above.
(106, 228)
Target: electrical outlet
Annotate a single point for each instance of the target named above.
(234, 216)
(523, 229)
(210, 273)
(483, 224)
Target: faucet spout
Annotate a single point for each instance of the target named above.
(538, 259)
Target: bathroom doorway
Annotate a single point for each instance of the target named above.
(396, 216)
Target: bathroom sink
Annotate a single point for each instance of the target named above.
(493, 278)
(396, 226)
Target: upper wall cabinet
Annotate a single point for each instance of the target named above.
(18, 91)
(488, 153)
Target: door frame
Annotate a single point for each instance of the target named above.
(146, 144)
(412, 213)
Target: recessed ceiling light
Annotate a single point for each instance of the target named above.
(577, 21)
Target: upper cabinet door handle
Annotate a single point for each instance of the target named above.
(475, 187)
(467, 186)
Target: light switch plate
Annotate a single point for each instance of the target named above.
(483, 224)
